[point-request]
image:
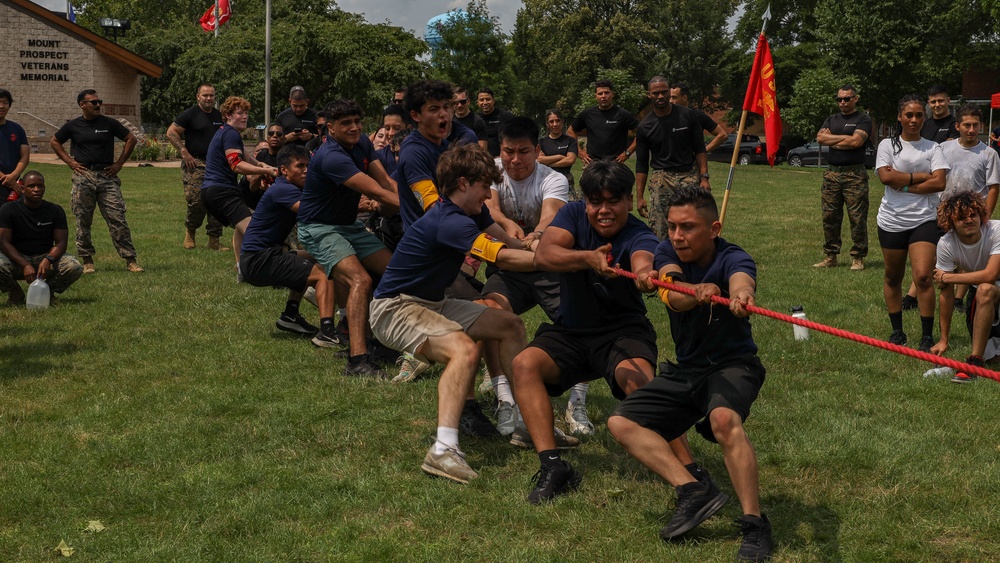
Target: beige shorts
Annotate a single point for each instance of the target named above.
(405, 322)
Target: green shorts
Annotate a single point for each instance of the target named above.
(329, 244)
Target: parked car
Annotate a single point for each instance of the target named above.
(814, 154)
(752, 151)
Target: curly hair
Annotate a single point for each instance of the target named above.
(469, 161)
(232, 104)
(959, 205)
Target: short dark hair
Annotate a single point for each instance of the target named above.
(84, 93)
(339, 109)
(657, 80)
(459, 90)
(291, 153)
(850, 87)
(395, 109)
(30, 173)
(606, 176)
(555, 112)
(276, 124)
(936, 89)
(519, 128)
(469, 161)
(203, 85)
(684, 88)
(697, 197)
(486, 90)
(604, 83)
(4, 93)
(419, 93)
(322, 115)
(969, 110)
(298, 94)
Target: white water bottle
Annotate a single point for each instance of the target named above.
(939, 371)
(801, 332)
(38, 295)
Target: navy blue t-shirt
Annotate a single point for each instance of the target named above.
(432, 250)
(12, 138)
(326, 199)
(708, 335)
(273, 218)
(218, 174)
(388, 159)
(461, 134)
(418, 159)
(587, 300)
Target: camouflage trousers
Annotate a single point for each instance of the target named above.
(97, 190)
(845, 188)
(660, 185)
(66, 271)
(193, 179)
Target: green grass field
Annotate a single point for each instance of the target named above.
(168, 407)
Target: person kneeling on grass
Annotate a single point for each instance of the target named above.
(968, 253)
(600, 329)
(717, 376)
(33, 237)
(410, 312)
(265, 263)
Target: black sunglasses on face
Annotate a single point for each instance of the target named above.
(274, 133)
(845, 99)
(94, 102)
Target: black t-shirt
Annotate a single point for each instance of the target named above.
(840, 124)
(607, 130)
(199, 128)
(291, 122)
(474, 122)
(563, 146)
(32, 229)
(940, 130)
(93, 142)
(493, 122)
(670, 142)
(250, 197)
(707, 123)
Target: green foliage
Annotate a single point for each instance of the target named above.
(812, 101)
(628, 95)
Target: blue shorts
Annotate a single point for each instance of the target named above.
(329, 244)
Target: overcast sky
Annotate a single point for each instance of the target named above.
(413, 14)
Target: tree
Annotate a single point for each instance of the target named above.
(813, 101)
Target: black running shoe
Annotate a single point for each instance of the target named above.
(897, 337)
(926, 343)
(382, 354)
(909, 303)
(475, 423)
(552, 481)
(342, 332)
(696, 502)
(365, 368)
(959, 306)
(327, 340)
(296, 324)
(757, 543)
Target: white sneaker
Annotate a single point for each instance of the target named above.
(410, 368)
(577, 419)
(310, 296)
(506, 418)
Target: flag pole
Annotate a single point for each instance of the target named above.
(216, 18)
(739, 138)
(267, 65)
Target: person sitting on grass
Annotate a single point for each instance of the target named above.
(33, 238)
(601, 329)
(716, 379)
(265, 263)
(968, 253)
(410, 312)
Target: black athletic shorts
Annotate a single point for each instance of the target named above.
(225, 204)
(970, 313)
(675, 400)
(593, 354)
(464, 288)
(524, 290)
(277, 268)
(925, 232)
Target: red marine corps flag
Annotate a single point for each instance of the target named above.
(761, 98)
(207, 20)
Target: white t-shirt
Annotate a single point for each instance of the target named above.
(974, 168)
(521, 202)
(899, 210)
(952, 254)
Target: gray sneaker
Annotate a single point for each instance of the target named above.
(450, 465)
(522, 439)
(506, 418)
(577, 419)
(410, 368)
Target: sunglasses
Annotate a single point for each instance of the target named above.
(397, 101)
(461, 102)
(844, 99)
(274, 134)
(94, 102)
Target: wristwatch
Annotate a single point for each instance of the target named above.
(705, 175)
(628, 154)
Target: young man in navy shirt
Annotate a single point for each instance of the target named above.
(716, 379)
(265, 263)
(411, 313)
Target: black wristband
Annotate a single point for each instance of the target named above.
(50, 259)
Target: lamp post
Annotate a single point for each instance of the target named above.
(113, 26)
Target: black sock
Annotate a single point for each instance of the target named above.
(927, 325)
(694, 469)
(327, 326)
(896, 320)
(550, 458)
(355, 360)
(291, 308)
(470, 403)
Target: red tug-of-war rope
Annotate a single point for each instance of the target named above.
(927, 357)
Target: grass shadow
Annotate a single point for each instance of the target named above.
(32, 359)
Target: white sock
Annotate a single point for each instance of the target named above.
(447, 438)
(502, 388)
(578, 395)
(341, 313)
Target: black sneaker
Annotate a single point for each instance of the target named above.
(296, 324)
(365, 368)
(475, 423)
(897, 337)
(926, 343)
(962, 377)
(696, 502)
(909, 303)
(757, 543)
(959, 306)
(342, 332)
(382, 354)
(552, 481)
(327, 340)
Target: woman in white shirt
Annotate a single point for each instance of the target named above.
(913, 171)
